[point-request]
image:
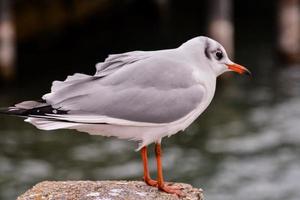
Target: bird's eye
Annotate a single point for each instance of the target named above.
(219, 55)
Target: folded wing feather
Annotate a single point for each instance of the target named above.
(152, 89)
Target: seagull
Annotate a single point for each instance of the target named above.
(139, 95)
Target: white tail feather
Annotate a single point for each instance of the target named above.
(48, 125)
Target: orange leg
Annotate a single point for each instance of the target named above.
(160, 179)
(147, 177)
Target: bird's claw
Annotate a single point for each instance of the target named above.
(151, 182)
(167, 187)
(172, 186)
(171, 189)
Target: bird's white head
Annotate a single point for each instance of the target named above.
(212, 54)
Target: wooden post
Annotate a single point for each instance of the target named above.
(289, 29)
(220, 25)
(7, 41)
(164, 14)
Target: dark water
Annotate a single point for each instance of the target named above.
(245, 146)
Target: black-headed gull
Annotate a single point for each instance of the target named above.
(138, 95)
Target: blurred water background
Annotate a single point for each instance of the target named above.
(245, 146)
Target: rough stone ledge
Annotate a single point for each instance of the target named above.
(104, 190)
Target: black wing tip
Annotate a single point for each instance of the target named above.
(45, 110)
(39, 110)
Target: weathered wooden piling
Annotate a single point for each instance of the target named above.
(7, 41)
(220, 24)
(289, 30)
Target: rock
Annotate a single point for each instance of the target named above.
(104, 190)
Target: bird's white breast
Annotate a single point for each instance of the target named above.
(208, 82)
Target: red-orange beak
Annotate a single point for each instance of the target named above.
(239, 69)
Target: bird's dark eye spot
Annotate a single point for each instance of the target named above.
(219, 55)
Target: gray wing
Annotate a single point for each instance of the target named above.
(155, 89)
